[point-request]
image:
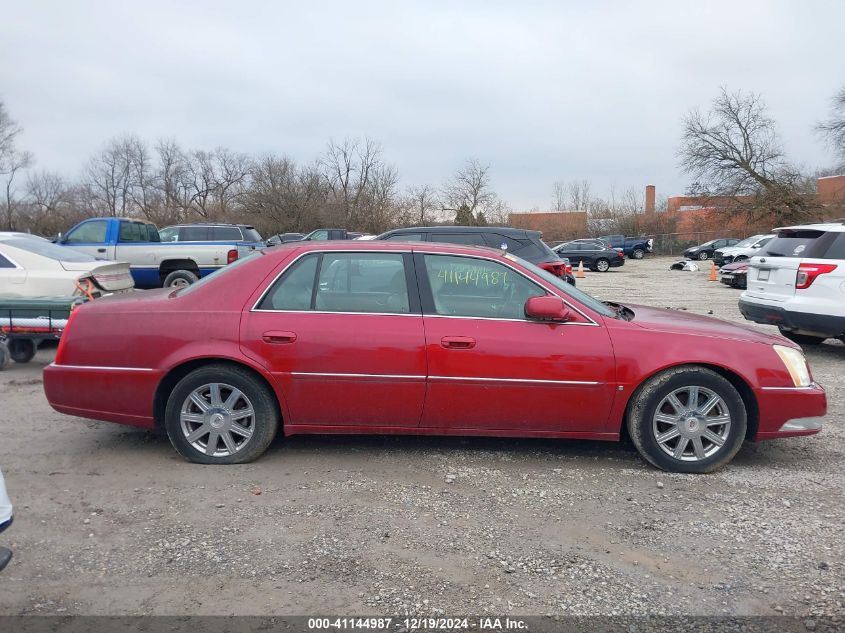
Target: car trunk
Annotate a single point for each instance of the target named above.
(109, 276)
(772, 278)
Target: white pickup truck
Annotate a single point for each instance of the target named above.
(153, 263)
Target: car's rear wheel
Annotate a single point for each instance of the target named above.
(179, 279)
(687, 420)
(803, 339)
(221, 414)
(703, 255)
(638, 253)
(602, 265)
(22, 350)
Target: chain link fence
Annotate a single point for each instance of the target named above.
(677, 243)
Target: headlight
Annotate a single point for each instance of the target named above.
(795, 364)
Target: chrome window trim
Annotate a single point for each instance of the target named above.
(592, 323)
(101, 368)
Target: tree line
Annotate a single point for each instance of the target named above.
(350, 185)
(732, 149)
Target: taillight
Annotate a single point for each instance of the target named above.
(558, 269)
(621, 252)
(232, 255)
(60, 351)
(807, 274)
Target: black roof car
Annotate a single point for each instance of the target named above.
(706, 250)
(595, 254)
(520, 242)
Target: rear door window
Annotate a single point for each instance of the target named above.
(225, 233)
(362, 282)
(471, 239)
(193, 234)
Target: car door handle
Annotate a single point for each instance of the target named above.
(278, 338)
(101, 250)
(457, 342)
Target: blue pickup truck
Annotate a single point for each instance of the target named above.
(153, 263)
(633, 247)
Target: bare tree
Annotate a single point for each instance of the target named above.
(734, 150)
(833, 129)
(469, 187)
(559, 196)
(109, 174)
(579, 195)
(12, 161)
(424, 203)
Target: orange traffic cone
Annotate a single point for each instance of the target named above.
(580, 273)
(713, 275)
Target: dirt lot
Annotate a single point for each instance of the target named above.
(111, 521)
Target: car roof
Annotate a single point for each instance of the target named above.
(375, 245)
(836, 227)
(248, 226)
(5, 235)
(447, 230)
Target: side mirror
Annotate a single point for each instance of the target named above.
(547, 308)
(755, 246)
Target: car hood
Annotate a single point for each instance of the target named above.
(682, 322)
(735, 266)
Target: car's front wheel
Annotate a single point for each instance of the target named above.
(602, 265)
(703, 255)
(221, 414)
(687, 420)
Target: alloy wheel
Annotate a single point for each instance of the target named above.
(691, 423)
(217, 419)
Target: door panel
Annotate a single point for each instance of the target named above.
(513, 376)
(491, 368)
(336, 367)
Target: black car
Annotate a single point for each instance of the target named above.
(706, 250)
(595, 254)
(284, 238)
(520, 242)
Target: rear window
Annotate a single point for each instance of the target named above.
(800, 243)
(837, 249)
(534, 251)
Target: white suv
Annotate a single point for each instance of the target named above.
(746, 249)
(798, 283)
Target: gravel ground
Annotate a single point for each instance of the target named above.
(109, 520)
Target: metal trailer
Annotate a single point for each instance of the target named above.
(27, 321)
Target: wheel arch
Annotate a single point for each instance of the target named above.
(178, 372)
(168, 266)
(752, 409)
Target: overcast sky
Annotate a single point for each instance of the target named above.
(542, 91)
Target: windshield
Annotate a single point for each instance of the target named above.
(571, 291)
(49, 250)
(710, 243)
(219, 273)
(748, 241)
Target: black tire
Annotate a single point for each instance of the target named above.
(602, 265)
(264, 425)
(643, 408)
(803, 339)
(179, 279)
(22, 350)
(740, 258)
(703, 255)
(638, 253)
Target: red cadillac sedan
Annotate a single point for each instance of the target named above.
(422, 338)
